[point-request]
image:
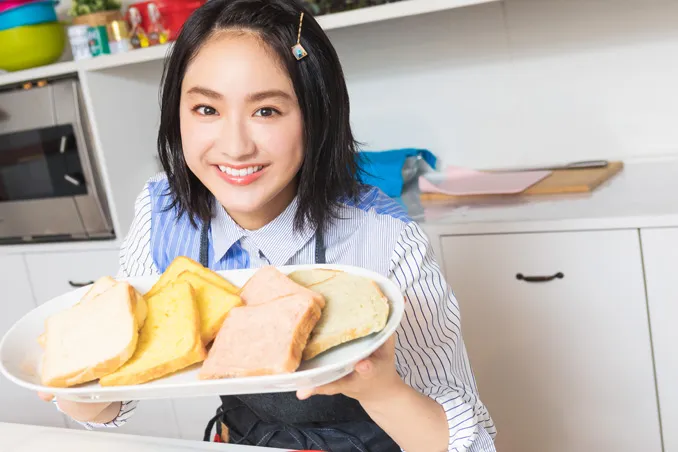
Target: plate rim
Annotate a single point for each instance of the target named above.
(97, 392)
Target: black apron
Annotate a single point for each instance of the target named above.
(329, 423)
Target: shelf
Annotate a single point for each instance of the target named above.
(334, 21)
(37, 73)
(388, 11)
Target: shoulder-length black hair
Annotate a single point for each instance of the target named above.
(329, 173)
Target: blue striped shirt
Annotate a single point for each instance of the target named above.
(373, 233)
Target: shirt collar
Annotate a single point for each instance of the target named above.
(277, 240)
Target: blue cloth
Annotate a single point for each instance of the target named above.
(384, 169)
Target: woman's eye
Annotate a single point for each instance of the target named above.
(204, 110)
(266, 112)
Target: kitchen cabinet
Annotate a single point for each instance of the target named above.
(19, 405)
(557, 332)
(53, 274)
(660, 254)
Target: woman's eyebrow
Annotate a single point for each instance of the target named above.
(205, 92)
(263, 95)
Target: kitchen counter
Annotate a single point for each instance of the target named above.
(29, 438)
(643, 195)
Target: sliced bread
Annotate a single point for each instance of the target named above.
(269, 284)
(263, 339)
(183, 263)
(169, 341)
(91, 339)
(214, 303)
(101, 286)
(307, 278)
(355, 307)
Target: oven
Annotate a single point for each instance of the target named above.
(50, 187)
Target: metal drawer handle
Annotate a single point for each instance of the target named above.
(78, 284)
(522, 277)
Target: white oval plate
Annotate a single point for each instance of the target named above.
(21, 355)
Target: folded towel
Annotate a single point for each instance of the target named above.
(384, 169)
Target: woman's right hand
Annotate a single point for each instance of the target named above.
(99, 413)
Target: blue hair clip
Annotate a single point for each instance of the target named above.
(297, 49)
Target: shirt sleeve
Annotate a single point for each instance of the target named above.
(136, 259)
(430, 352)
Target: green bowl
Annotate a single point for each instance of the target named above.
(31, 46)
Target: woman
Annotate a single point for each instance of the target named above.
(260, 168)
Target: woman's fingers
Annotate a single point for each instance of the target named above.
(46, 397)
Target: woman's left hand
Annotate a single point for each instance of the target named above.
(372, 378)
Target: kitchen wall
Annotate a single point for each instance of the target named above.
(519, 82)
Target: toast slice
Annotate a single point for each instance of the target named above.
(169, 341)
(183, 263)
(90, 339)
(214, 304)
(308, 278)
(263, 339)
(101, 286)
(355, 307)
(269, 284)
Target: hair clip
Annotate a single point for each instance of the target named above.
(298, 50)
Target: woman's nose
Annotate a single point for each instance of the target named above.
(235, 141)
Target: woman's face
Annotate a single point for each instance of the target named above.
(241, 127)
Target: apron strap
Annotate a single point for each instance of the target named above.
(204, 244)
(319, 247)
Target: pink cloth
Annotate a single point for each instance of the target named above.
(456, 181)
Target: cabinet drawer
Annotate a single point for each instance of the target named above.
(52, 273)
(561, 353)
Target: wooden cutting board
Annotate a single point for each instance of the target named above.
(562, 181)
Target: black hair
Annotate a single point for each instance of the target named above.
(329, 173)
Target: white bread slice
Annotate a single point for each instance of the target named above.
(355, 307)
(101, 286)
(307, 278)
(90, 339)
(169, 341)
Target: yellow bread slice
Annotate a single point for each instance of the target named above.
(101, 286)
(214, 304)
(183, 263)
(169, 341)
(90, 339)
(354, 307)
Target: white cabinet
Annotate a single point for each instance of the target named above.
(53, 274)
(565, 364)
(660, 254)
(19, 405)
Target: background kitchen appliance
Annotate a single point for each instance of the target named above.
(50, 189)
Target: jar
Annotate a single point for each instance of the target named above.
(118, 37)
(77, 36)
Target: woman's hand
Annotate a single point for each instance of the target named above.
(373, 378)
(99, 413)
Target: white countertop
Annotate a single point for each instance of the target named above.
(30, 438)
(643, 195)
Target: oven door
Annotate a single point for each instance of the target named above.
(40, 177)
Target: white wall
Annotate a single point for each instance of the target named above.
(519, 82)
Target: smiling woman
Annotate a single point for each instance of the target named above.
(243, 101)
(260, 169)
(239, 122)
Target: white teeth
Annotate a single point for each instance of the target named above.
(239, 172)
